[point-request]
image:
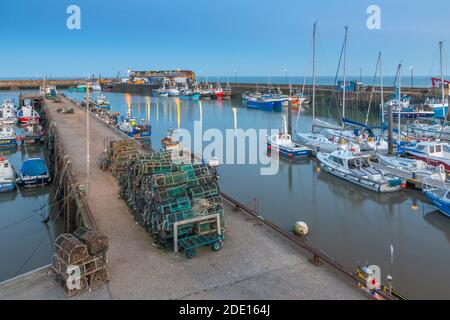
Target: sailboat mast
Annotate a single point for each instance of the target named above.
(399, 136)
(381, 87)
(314, 76)
(442, 78)
(345, 74)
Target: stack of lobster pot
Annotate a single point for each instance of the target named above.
(161, 191)
(119, 153)
(79, 260)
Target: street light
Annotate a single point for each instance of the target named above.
(285, 75)
(412, 76)
(235, 76)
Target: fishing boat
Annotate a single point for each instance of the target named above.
(27, 114)
(81, 88)
(217, 92)
(95, 86)
(173, 92)
(130, 127)
(357, 169)
(8, 138)
(7, 176)
(48, 90)
(169, 142)
(431, 152)
(33, 173)
(8, 113)
(414, 167)
(102, 102)
(265, 102)
(283, 144)
(188, 94)
(227, 92)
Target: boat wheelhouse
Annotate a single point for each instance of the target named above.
(130, 127)
(431, 152)
(27, 114)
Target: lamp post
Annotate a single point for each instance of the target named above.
(235, 76)
(412, 76)
(285, 76)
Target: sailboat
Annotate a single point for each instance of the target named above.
(318, 141)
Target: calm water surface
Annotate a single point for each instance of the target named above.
(347, 223)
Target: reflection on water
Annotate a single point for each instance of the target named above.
(348, 223)
(25, 242)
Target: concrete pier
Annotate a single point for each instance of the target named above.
(256, 262)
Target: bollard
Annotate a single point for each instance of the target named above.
(316, 260)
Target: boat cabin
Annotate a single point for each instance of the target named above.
(437, 149)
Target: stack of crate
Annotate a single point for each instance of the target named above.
(79, 260)
(119, 154)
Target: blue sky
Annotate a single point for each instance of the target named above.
(256, 38)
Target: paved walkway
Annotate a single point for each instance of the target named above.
(254, 263)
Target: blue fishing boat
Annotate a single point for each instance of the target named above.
(7, 176)
(283, 144)
(265, 102)
(130, 127)
(33, 173)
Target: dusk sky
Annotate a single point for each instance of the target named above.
(253, 37)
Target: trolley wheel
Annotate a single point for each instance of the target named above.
(190, 253)
(216, 246)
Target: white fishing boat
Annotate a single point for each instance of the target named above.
(95, 86)
(322, 143)
(169, 142)
(8, 138)
(27, 114)
(7, 176)
(357, 169)
(102, 102)
(414, 167)
(173, 92)
(8, 113)
(431, 152)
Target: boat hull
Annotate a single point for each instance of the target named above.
(289, 153)
(266, 105)
(438, 203)
(8, 143)
(25, 120)
(30, 182)
(7, 186)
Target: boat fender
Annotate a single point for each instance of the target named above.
(395, 182)
(301, 228)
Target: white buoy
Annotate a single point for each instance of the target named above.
(301, 228)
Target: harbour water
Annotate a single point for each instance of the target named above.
(347, 223)
(25, 242)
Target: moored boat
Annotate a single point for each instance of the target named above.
(130, 127)
(8, 138)
(357, 169)
(102, 102)
(7, 176)
(431, 152)
(8, 113)
(33, 173)
(27, 114)
(439, 195)
(283, 144)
